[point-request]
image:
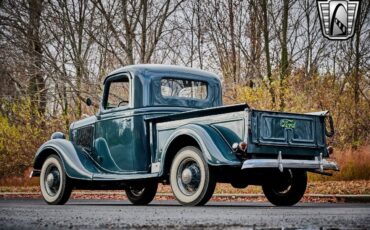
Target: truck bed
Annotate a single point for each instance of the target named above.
(267, 133)
(228, 121)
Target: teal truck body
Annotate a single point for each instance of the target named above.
(167, 124)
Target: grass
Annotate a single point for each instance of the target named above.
(354, 165)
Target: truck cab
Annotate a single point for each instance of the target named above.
(167, 124)
(132, 95)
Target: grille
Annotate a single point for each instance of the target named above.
(84, 137)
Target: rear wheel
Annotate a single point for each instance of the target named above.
(191, 179)
(286, 188)
(56, 187)
(142, 194)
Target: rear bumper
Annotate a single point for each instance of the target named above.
(318, 164)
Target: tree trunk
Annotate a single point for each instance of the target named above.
(78, 91)
(143, 31)
(266, 37)
(199, 35)
(37, 88)
(284, 64)
(65, 107)
(129, 36)
(356, 89)
(255, 42)
(232, 38)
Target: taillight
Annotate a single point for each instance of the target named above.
(242, 146)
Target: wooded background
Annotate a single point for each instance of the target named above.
(269, 53)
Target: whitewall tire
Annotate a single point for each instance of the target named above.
(54, 183)
(191, 179)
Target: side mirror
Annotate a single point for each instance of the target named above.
(88, 101)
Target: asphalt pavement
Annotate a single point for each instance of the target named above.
(109, 214)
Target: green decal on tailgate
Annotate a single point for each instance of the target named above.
(288, 124)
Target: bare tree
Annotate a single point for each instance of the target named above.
(363, 18)
(266, 36)
(142, 27)
(37, 83)
(72, 18)
(284, 62)
(21, 27)
(56, 53)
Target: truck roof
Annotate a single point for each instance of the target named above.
(146, 87)
(161, 68)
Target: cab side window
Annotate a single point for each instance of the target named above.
(118, 93)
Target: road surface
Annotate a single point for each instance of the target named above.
(103, 214)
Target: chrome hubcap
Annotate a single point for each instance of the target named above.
(52, 180)
(188, 177)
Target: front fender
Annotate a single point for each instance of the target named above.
(77, 165)
(215, 149)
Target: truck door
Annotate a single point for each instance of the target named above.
(113, 142)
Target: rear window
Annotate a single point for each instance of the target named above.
(183, 88)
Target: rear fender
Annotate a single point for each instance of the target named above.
(76, 164)
(216, 151)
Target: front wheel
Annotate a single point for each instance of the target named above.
(286, 188)
(56, 187)
(191, 179)
(142, 194)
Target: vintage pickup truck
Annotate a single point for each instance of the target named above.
(166, 124)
